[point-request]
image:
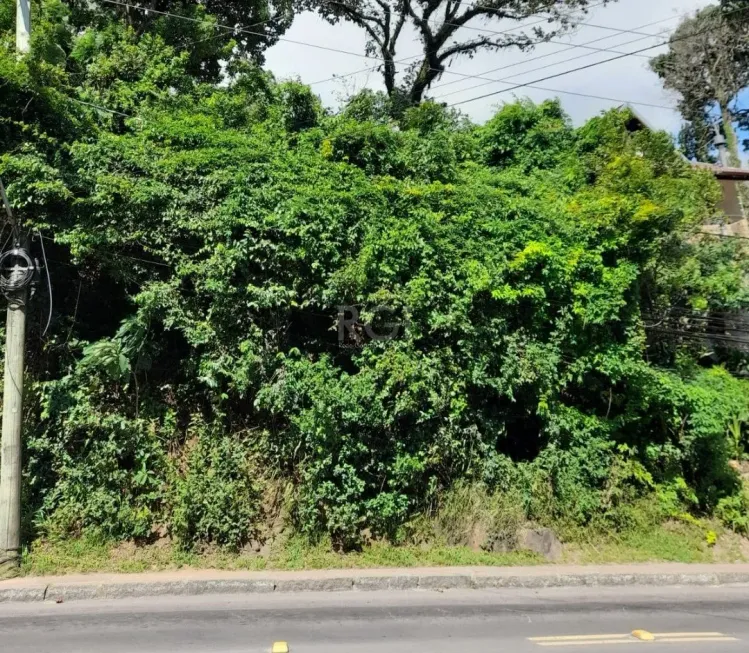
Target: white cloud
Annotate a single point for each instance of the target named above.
(627, 79)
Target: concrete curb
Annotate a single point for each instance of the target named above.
(200, 583)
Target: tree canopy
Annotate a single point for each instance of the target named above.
(438, 25)
(206, 33)
(707, 64)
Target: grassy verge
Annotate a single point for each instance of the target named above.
(667, 543)
(702, 541)
(81, 556)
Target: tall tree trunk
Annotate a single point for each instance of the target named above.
(389, 72)
(732, 141)
(734, 159)
(427, 74)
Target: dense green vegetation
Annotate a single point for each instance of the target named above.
(202, 238)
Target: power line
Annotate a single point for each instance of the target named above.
(710, 310)
(584, 46)
(245, 30)
(49, 282)
(680, 311)
(7, 240)
(698, 336)
(557, 63)
(574, 70)
(526, 72)
(604, 98)
(541, 88)
(537, 22)
(508, 31)
(312, 45)
(601, 97)
(416, 56)
(529, 85)
(208, 22)
(643, 36)
(548, 19)
(734, 319)
(500, 81)
(713, 322)
(572, 47)
(226, 28)
(606, 27)
(363, 70)
(710, 233)
(127, 256)
(543, 79)
(242, 30)
(100, 108)
(553, 90)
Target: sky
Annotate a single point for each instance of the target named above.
(625, 80)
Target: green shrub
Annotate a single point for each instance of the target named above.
(733, 511)
(216, 491)
(91, 468)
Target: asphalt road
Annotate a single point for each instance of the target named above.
(689, 619)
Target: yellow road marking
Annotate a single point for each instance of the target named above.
(643, 635)
(574, 637)
(636, 637)
(689, 634)
(592, 642)
(697, 639)
(280, 647)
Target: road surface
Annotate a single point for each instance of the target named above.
(594, 620)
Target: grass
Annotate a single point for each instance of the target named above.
(672, 542)
(469, 520)
(82, 556)
(658, 545)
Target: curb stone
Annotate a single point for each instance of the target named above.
(460, 582)
(318, 585)
(361, 581)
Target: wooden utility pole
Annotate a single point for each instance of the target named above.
(10, 449)
(15, 340)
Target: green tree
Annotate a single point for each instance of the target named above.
(207, 34)
(206, 29)
(707, 65)
(438, 23)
